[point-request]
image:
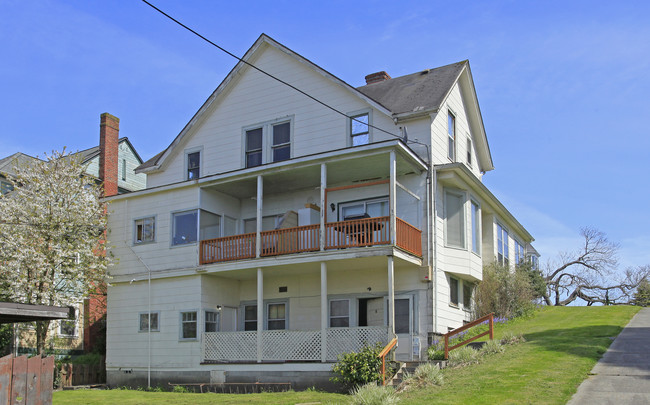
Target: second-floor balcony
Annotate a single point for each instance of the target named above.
(337, 235)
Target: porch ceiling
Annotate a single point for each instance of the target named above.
(291, 178)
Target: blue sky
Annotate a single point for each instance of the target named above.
(563, 86)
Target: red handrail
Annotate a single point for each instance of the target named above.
(382, 356)
(465, 327)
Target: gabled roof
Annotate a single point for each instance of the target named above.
(90, 153)
(421, 91)
(7, 163)
(157, 161)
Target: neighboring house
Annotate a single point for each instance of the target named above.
(113, 163)
(275, 234)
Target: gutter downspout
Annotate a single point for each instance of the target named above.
(434, 190)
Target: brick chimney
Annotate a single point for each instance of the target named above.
(109, 131)
(377, 77)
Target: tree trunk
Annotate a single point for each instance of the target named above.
(41, 335)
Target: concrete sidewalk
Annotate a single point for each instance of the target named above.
(622, 375)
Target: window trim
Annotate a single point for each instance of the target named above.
(181, 323)
(75, 321)
(186, 162)
(267, 139)
(140, 330)
(463, 228)
(242, 312)
(135, 230)
(172, 227)
(348, 126)
(364, 201)
(286, 314)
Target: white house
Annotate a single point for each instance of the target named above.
(276, 233)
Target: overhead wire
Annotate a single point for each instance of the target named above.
(275, 77)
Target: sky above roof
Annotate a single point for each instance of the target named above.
(562, 86)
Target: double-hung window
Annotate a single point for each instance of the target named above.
(454, 219)
(184, 227)
(268, 143)
(68, 326)
(276, 314)
(212, 319)
(468, 288)
(188, 325)
(6, 187)
(250, 317)
(476, 228)
(254, 147)
(502, 245)
(519, 252)
(193, 165)
(145, 230)
(339, 313)
(451, 134)
(374, 208)
(359, 129)
(453, 291)
(149, 320)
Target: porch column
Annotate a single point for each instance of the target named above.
(323, 208)
(393, 198)
(260, 312)
(258, 229)
(391, 297)
(323, 312)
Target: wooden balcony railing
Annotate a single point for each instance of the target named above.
(290, 240)
(357, 232)
(342, 234)
(409, 237)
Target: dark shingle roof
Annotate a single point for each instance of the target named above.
(90, 153)
(151, 162)
(421, 91)
(7, 163)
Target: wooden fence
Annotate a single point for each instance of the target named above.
(26, 381)
(83, 374)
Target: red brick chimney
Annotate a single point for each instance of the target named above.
(109, 131)
(377, 77)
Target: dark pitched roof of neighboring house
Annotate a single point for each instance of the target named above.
(421, 91)
(7, 163)
(88, 154)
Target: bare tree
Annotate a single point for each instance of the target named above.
(589, 274)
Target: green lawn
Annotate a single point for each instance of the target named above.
(562, 346)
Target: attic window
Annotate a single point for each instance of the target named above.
(193, 165)
(359, 129)
(451, 132)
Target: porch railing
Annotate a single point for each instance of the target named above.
(288, 345)
(409, 237)
(338, 235)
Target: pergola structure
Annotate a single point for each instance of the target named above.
(11, 312)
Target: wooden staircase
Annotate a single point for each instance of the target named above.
(409, 367)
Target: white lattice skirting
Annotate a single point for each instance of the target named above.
(288, 345)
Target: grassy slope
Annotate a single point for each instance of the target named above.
(563, 344)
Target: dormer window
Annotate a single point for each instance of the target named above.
(193, 165)
(359, 132)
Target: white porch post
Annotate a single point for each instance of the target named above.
(323, 208)
(393, 198)
(258, 228)
(260, 312)
(323, 312)
(391, 297)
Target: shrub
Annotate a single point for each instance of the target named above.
(463, 356)
(424, 376)
(642, 295)
(436, 351)
(508, 294)
(180, 389)
(373, 394)
(357, 369)
(510, 338)
(492, 347)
